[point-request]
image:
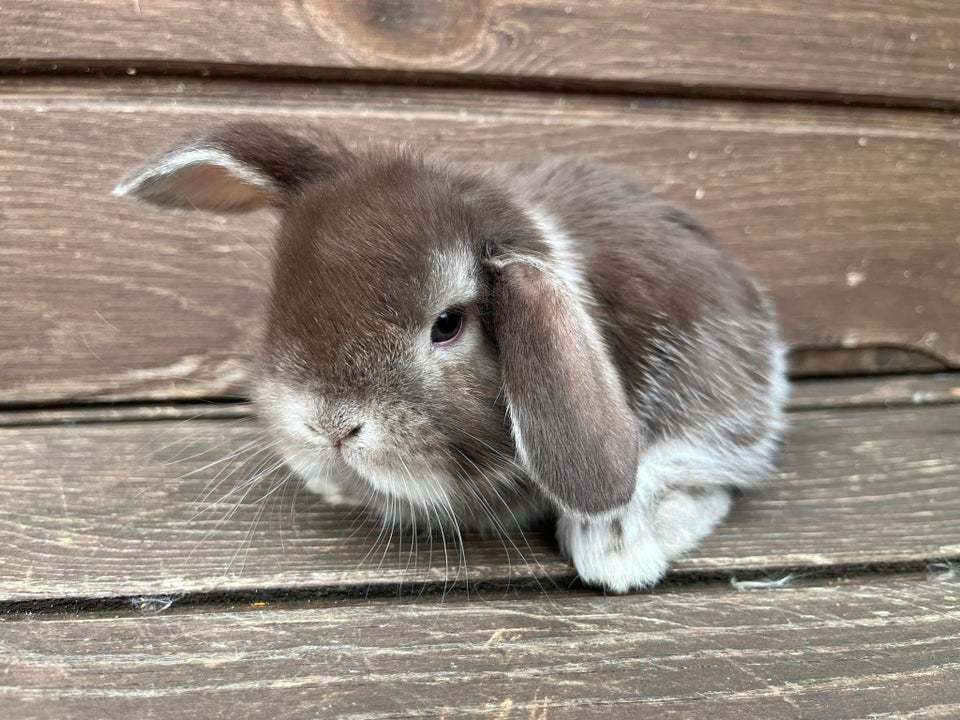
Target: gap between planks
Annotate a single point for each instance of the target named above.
(131, 69)
(805, 394)
(558, 588)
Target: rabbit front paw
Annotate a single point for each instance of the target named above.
(330, 491)
(611, 554)
(630, 549)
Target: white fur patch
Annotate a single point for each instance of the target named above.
(330, 490)
(779, 383)
(617, 564)
(334, 482)
(567, 263)
(453, 279)
(424, 488)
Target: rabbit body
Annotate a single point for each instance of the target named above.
(485, 348)
(696, 344)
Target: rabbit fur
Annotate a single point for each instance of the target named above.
(615, 368)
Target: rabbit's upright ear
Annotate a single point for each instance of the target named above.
(574, 430)
(238, 167)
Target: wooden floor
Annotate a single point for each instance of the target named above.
(143, 574)
(138, 581)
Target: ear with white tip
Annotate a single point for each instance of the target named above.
(574, 430)
(235, 168)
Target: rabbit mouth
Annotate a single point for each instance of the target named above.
(409, 482)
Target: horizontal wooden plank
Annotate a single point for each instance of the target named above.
(886, 650)
(849, 216)
(883, 391)
(137, 509)
(888, 49)
(805, 394)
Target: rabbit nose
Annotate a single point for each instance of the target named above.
(337, 434)
(341, 436)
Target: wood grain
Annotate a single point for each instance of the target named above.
(888, 49)
(887, 650)
(849, 216)
(135, 509)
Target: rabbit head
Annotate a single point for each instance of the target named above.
(426, 345)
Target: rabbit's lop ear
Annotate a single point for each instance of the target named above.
(236, 168)
(574, 430)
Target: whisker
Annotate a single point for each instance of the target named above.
(246, 487)
(222, 424)
(498, 525)
(215, 482)
(249, 536)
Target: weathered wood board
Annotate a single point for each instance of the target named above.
(898, 50)
(886, 391)
(805, 394)
(886, 650)
(133, 509)
(850, 217)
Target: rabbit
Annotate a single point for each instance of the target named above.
(492, 346)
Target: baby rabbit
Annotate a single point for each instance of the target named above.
(490, 347)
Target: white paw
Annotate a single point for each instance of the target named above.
(610, 554)
(330, 491)
(631, 549)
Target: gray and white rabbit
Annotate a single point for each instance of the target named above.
(489, 347)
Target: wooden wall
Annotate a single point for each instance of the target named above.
(143, 572)
(818, 140)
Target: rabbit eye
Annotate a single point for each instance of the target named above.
(447, 327)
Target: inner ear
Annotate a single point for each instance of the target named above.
(237, 167)
(202, 179)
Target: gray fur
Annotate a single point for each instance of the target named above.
(617, 367)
